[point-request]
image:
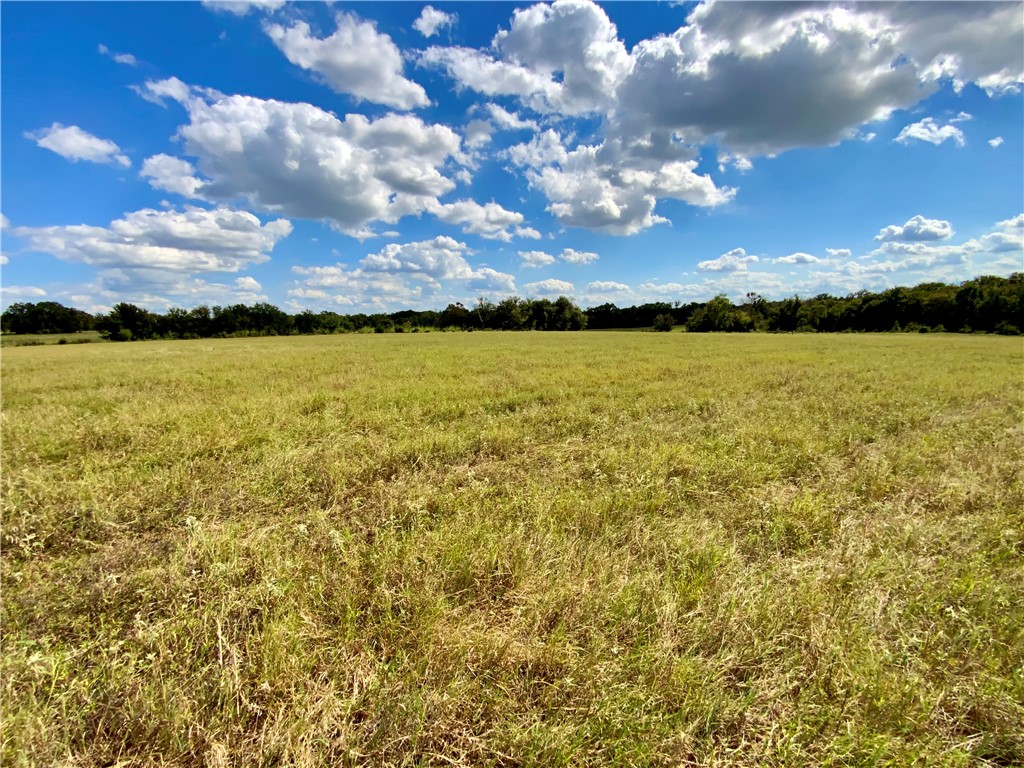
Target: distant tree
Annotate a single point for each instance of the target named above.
(44, 317)
(719, 314)
(483, 313)
(568, 317)
(664, 322)
(511, 314)
(604, 316)
(454, 316)
(126, 322)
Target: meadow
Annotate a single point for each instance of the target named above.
(40, 339)
(515, 549)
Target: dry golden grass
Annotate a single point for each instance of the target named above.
(514, 549)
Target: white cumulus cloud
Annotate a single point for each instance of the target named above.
(193, 240)
(171, 174)
(735, 260)
(242, 7)
(534, 259)
(550, 287)
(74, 144)
(356, 59)
(759, 78)
(509, 121)
(489, 220)
(22, 292)
(917, 229)
(798, 258)
(930, 131)
(608, 286)
(597, 187)
(401, 274)
(307, 163)
(431, 20)
(572, 256)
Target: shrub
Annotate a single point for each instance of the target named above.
(664, 322)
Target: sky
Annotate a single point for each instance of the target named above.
(368, 157)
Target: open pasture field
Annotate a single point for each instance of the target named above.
(39, 339)
(589, 549)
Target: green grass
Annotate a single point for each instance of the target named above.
(494, 549)
(40, 339)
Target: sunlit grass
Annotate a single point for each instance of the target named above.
(39, 339)
(515, 549)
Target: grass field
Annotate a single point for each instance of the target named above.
(40, 339)
(489, 549)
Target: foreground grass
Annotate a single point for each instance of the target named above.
(514, 549)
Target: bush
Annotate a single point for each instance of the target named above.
(664, 323)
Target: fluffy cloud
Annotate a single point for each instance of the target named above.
(597, 187)
(194, 240)
(839, 253)
(22, 292)
(242, 7)
(509, 121)
(607, 291)
(480, 72)
(307, 163)
(575, 40)
(121, 58)
(356, 59)
(572, 256)
(910, 257)
(1016, 223)
(763, 78)
(758, 78)
(549, 287)
(735, 260)
(919, 258)
(248, 284)
(71, 142)
(478, 133)
(565, 57)
(158, 91)
(930, 131)
(738, 162)
(490, 220)
(797, 258)
(532, 259)
(400, 274)
(996, 142)
(160, 290)
(917, 229)
(356, 289)
(1008, 237)
(431, 20)
(963, 42)
(171, 174)
(661, 290)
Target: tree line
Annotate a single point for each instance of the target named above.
(987, 304)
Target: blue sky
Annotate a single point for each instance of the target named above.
(381, 156)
